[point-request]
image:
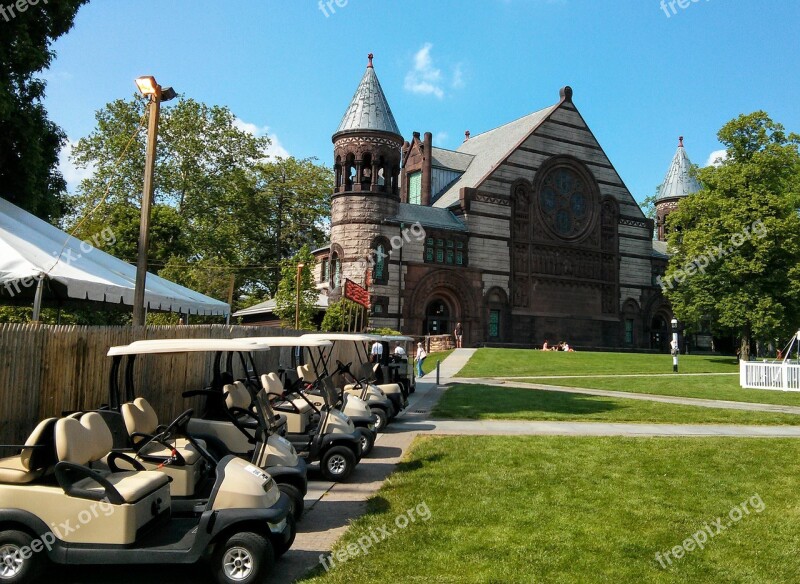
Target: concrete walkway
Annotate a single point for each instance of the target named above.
(667, 399)
(508, 428)
(616, 375)
(452, 365)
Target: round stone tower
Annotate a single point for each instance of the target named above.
(678, 183)
(367, 153)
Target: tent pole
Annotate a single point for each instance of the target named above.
(37, 299)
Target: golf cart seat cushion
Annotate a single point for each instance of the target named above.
(190, 454)
(238, 396)
(83, 441)
(306, 373)
(139, 416)
(272, 383)
(131, 485)
(31, 463)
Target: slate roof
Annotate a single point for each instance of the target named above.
(436, 217)
(678, 182)
(450, 159)
(660, 248)
(490, 149)
(369, 109)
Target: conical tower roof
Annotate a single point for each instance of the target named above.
(368, 109)
(678, 182)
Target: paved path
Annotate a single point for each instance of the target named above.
(614, 375)
(453, 364)
(508, 428)
(667, 399)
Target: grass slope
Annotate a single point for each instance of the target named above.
(527, 362)
(511, 403)
(569, 509)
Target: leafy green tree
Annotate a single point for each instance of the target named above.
(736, 253)
(29, 141)
(341, 316)
(648, 205)
(286, 298)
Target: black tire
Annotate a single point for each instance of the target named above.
(337, 463)
(381, 419)
(254, 555)
(282, 547)
(13, 567)
(296, 499)
(367, 440)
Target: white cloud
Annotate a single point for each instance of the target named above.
(716, 158)
(71, 173)
(275, 149)
(424, 78)
(458, 78)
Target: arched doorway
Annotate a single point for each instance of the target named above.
(437, 318)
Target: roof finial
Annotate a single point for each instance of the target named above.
(680, 142)
(466, 135)
(370, 57)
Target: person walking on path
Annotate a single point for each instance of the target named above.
(421, 354)
(459, 334)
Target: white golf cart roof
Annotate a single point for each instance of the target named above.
(396, 339)
(340, 337)
(185, 346)
(286, 341)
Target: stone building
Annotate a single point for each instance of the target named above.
(529, 231)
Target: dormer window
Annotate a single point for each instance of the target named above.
(415, 188)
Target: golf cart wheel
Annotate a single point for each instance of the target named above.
(381, 419)
(283, 546)
(367, 440)
(337, 463)
(13, 566)
(295, 498)
(244, 558)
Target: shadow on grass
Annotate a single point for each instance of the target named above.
(417, 463)
(476, 401)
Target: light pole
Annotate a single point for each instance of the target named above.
(674, 345)
(297, 298)
(156, 94)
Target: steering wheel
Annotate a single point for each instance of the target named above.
(163, 436)
(344, 367)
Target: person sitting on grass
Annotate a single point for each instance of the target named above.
(545, 346)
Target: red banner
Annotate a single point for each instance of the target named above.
(356, 293)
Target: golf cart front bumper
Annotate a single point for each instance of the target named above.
(298, 474)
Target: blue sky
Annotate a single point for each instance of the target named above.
(643, 74)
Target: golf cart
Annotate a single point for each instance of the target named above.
(55, 508)
(323, 434)
(136, 430)
(310, 388)
(401, 366)
(380, 399)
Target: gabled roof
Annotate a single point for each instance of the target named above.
(450, 159)
(436, 217)
(660, 249)
(678, 182)
(490, 149)
(269, 306)
(368, 110)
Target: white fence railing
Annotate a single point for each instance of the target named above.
(780, 375)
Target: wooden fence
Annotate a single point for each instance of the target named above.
(46, 370)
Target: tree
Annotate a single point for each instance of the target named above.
(341, 316)
(29, 141)
(286, 298)
(221, 207)
(648, 205)
(736, 254)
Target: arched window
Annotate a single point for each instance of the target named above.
(380, 261)
(336, 271)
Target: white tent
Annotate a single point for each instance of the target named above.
(38, 259)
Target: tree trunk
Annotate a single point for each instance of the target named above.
(744, 347)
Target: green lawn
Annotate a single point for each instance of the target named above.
(466, 401)
(530, 363)
(430, 361)
(573, 509)
(724, 387)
